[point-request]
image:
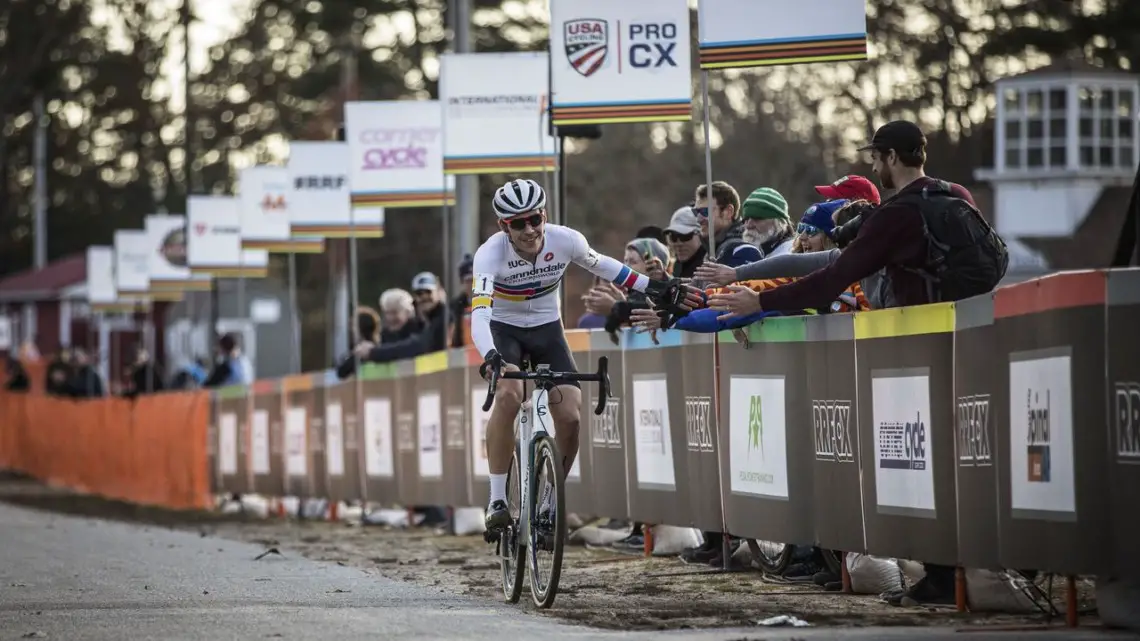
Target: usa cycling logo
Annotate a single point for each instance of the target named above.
(587, 44)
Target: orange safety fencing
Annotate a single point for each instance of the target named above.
(149, 451)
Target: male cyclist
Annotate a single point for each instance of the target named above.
(520, 268)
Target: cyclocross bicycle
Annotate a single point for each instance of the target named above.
(541, 531)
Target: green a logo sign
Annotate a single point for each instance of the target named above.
(756, 425)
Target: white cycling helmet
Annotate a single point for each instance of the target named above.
(518, 197)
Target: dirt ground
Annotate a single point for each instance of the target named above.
(599, 587)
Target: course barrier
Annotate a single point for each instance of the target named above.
(1000, 431)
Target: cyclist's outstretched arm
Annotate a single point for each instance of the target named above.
(605, 267)
(483, 269)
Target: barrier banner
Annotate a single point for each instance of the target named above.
(1052, 362)
(297, 393)
(429, 406)
(214, 243)
(905, 370)
(579, 479)
(655, 429)
(101, 292)
(453, 383)
(265, 218)
(979, 408)
(396, 154)
(212, 442)
(266, 438)
(620, 61)
(377, 408)
(494, 106)
(318, 431)
(319, 193)
(837, 508)
(480, 466)
(132, 264)
(766, 417)
(753, 33)
(1124, 418)
(406, 403)
(169, 273)
(233, 469)
(703, 441)
(340, 425)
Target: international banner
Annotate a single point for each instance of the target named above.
(101, 293)
(319, 194)
(169, 271)
(214, 246)
(757, 33)
(494, 120)
(396, 154)
(132, 265)
(265, 218)
(623, 61)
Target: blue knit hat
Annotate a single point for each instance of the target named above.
(819, 216)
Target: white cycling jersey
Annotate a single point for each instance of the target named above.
(509, 289)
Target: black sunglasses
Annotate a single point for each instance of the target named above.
(422, 293)
(674, 237)
(519, 224)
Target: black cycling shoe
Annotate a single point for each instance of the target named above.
(498, 517)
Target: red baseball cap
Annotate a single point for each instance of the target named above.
(851, 188)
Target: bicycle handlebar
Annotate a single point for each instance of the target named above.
(544, 375)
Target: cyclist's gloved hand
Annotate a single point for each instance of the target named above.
(674, 296)
(491, 359)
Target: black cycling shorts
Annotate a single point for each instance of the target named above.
(540, 345)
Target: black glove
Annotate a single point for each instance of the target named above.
(667, 295)
(492, 358)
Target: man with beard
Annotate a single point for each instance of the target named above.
(719, 218)
(766, 222)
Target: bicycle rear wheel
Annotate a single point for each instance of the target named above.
(547, 522)
(512, 546)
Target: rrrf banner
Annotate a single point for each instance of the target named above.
(101, 293)
(319, 196)
(756, 33)
(169, 271)
(494, 120)
(625, 61)
(265, 219)
(132, 264)
(214, 246)
(396, 154)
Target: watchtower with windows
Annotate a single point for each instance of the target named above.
(1063, 134)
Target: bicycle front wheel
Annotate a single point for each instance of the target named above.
(512, 546)
(547, 522)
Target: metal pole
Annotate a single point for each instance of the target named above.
(338, 304)
(40, 182)
(294, 318)
(466, 186)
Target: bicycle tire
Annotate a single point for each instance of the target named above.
(512, 547)
(772, 564)
(545, 452)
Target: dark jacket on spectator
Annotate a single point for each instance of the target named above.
(459, 306)
(411, 328)
(892, 238)
(17, 377)
(86, 383)
(688, 268)
(731, 250)
(432, 338)
(58, 378)
(145, 379)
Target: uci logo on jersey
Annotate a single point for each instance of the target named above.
(514, 264)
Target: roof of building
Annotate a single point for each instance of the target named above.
(46, 283)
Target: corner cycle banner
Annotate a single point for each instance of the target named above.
(756, 33)
(264, 213)
(132, 266)
(101, 292)
(396, 154)
(623, 61)
(214, 245)
(318, 194)
(169, 271)
(494, 106)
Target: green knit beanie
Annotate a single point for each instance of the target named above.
(765, 204)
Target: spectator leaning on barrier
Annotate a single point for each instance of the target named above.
(934, 247)
(720, 217)
(683, 235)
(398, 312)
(58, 374)
(366, 333)
(145, 376)
(432, 311)
(461, 304)
(85, 381)
(816, 230)
(231, 368)
(766, 222)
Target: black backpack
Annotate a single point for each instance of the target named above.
(965, 257)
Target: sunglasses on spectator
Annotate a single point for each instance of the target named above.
(423, 293)
(519, 224)
(702, 212)
(809, 230)
(674, 237)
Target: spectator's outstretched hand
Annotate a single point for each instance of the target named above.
(643, 319)
(738, 301)
(362, 350)
(601, 301)
(715, 274)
